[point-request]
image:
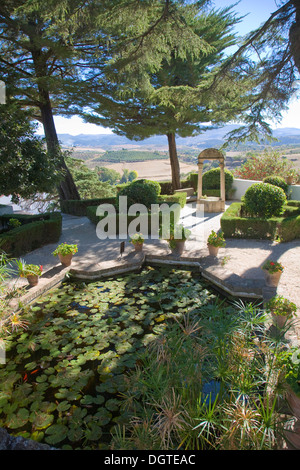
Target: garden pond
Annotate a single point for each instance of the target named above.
(66, 370)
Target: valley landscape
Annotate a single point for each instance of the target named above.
(150, 157)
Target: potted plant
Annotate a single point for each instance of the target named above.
(291, 175)
(65, 253)
(289, 361)
(178, 235)
(137, 240)
(273, 271)
(281, 309)
(31, 271)
(214, 242)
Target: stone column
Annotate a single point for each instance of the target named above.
(200, 170)
(222, 180)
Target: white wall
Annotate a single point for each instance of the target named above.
(242, 185)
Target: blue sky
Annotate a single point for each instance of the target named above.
(257, 12)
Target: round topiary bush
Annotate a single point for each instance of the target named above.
(211, 179)
(277, 181)
(264, 200)
(142, 191)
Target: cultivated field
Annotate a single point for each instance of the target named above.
(158, 170)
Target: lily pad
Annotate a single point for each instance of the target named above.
(18, 419)
(56, 433)
(41, 420)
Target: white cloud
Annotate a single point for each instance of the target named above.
(75, 126)
(290, 118)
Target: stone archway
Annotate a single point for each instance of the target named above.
(211, 204)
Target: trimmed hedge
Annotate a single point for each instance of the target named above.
(39, 231)
(79, 207)
(234, 225)
(164, 199)
(179, 198)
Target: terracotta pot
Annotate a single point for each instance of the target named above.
(138, 246)
(272, 279)
(179, 249)
(32, 279)
(279, 320)
(294, 402)
(213, 250)
(66, 260)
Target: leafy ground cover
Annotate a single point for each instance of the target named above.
(66, 370)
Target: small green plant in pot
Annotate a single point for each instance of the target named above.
(176, 238)
(65, 253)
(31, 271)
(214, 242)
(272, 271)
(137, 240)
(281, 309)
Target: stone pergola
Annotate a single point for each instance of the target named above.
(211, 204)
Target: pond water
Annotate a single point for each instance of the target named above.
(64, 375)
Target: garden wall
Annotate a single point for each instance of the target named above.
(241, 187)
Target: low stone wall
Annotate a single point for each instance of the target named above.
(240, 186)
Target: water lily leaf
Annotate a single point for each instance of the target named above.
(112, 404)
(41, 420)
(93, 432)
(17, 420)
(91, 355)
(68, 394)
(75, 433)
(56, 433)
(37, 436)
(103, 416)
(63, 406)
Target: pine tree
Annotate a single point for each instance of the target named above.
(175, 99)
(273, 62)
(53, 52)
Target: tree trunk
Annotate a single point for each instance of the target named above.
(295, 36)
(175, 168)
(67, 188)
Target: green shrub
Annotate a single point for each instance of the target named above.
(211, 179)
(277, 181)
(166, 187)
(141, 192)
(264, 200)
(79, 207)
(32, 235)
(194, 180)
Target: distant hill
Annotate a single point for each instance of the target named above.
(210, 138)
